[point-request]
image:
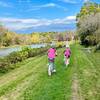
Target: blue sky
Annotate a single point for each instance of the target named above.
(26, 16)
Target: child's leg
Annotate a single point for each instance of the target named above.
(67, 60)
(54, 69)
(49, 69)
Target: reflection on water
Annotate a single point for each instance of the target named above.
(6, 51)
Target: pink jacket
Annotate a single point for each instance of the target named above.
(67, 53)
(51, 53)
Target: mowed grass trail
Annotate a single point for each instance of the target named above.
(80, 81)
(86, 74)
(31, 82)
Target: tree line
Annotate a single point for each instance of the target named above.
(8, 38)
(88, 24)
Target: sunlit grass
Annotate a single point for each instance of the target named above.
(30, 80)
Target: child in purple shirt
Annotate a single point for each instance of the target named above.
(51, 53)
(67, 54)
(51, 57)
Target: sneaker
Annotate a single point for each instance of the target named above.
(54, 71)
(49, 72)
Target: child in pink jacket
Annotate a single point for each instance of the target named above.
(51, 57)
(67, 54)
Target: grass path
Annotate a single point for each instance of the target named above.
(87, 70)
(80, 81)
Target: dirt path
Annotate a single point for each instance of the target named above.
(75, 95)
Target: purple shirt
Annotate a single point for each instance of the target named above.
(67, 53)
(51, 53)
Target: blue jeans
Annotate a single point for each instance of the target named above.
(51, 62)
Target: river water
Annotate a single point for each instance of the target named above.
(7, 51)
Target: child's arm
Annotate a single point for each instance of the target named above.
(64, 51)
(47, 52)
(56, 52)
(70, 51)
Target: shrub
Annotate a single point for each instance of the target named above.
(89, 29)
(90, 40)
(31, 53)
(98, 46)
(4, 64)
(15, 57)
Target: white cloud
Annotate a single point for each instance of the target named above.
(42, 6)
(24, 1)
(20, 24)
(86, 0)
(5, 4)
(71, 17)
(70, 1)
(48, 5)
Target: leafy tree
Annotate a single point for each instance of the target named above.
(88, 24)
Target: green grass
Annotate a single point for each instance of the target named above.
(29, 81)
(51, 88)
(88, 71)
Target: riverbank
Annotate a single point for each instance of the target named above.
(14, 46)
(19, 56)
(6, 51)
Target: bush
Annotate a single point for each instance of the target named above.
(89, 29)
(31, 53)
(98, 46)
(90, 40)
(4, 65)
(15, 57)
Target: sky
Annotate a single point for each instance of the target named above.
(26, 16)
